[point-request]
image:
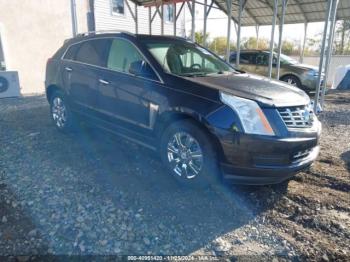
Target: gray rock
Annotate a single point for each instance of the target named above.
(325, 258)
(32, 233)
(146, 241)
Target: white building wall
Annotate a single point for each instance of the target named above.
(32, 31)
(106, 20)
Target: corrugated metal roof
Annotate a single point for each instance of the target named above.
(260, 11)
(298, 11)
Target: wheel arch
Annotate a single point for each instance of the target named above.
(169, 117)
(289, 74)
(51, 89)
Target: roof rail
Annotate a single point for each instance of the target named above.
(102, 32)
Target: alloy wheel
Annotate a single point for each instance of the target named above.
(185, 155)
(59, 112)
(291, 81)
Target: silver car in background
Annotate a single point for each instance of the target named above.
(291, 71)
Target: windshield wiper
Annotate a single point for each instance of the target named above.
(193, 74)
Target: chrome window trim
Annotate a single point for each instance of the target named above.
(160, 80)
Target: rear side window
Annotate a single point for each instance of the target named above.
(93, 52)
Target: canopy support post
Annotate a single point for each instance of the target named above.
(162, 19)
(205, 24)
(240, 10)
(272, 37)
(133, 14)
(257, 27)
(177, 13)
(136, 20)
(229, 13)
(322, 53)
(150, 20)
(174, 18)
(302, 54)
(193, 33)
(329, 48)
(73, 7)
(284, 6)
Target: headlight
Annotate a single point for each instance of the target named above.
(252, 117)
(312, 73)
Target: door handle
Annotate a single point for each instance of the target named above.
(104, 82)
(68, 69)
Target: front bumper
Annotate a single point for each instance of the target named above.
(259, 160)
(263, 175)
(309, 83)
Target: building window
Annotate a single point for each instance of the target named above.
(118, 7)
(168, 13)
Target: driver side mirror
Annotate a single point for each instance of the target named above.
(143, 69)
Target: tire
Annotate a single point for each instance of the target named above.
(201, 171)
(292, 80)
(61, 114)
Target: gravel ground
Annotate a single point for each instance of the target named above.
(92, 193)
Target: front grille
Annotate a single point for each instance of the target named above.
(297, 117)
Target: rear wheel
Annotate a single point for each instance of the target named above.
(188, 154)
(292, 80)
(60, 112)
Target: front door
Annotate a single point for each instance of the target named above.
(123, 97)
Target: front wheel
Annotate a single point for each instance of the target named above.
(188, 153)
(292, 80)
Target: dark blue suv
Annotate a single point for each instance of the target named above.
(206, 119)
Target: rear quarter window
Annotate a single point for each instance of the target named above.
(71, 52)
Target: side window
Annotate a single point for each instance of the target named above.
(262, 59)
(71, 52)
(245, 59)
(93, 52)
(252, 58)
(121, 55)
(233, 58)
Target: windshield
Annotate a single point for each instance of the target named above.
(287, 60)
(187, 59)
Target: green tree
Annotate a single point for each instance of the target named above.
(251, 43)
(290, 48)
(218, 45)
(342, 38)
(199, 36)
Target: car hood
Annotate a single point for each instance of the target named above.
(263, 90)
(304, 67)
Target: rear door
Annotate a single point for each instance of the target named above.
(262, 62)
(87, 60)
(247, 63)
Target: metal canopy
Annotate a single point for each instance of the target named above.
(259, 12)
